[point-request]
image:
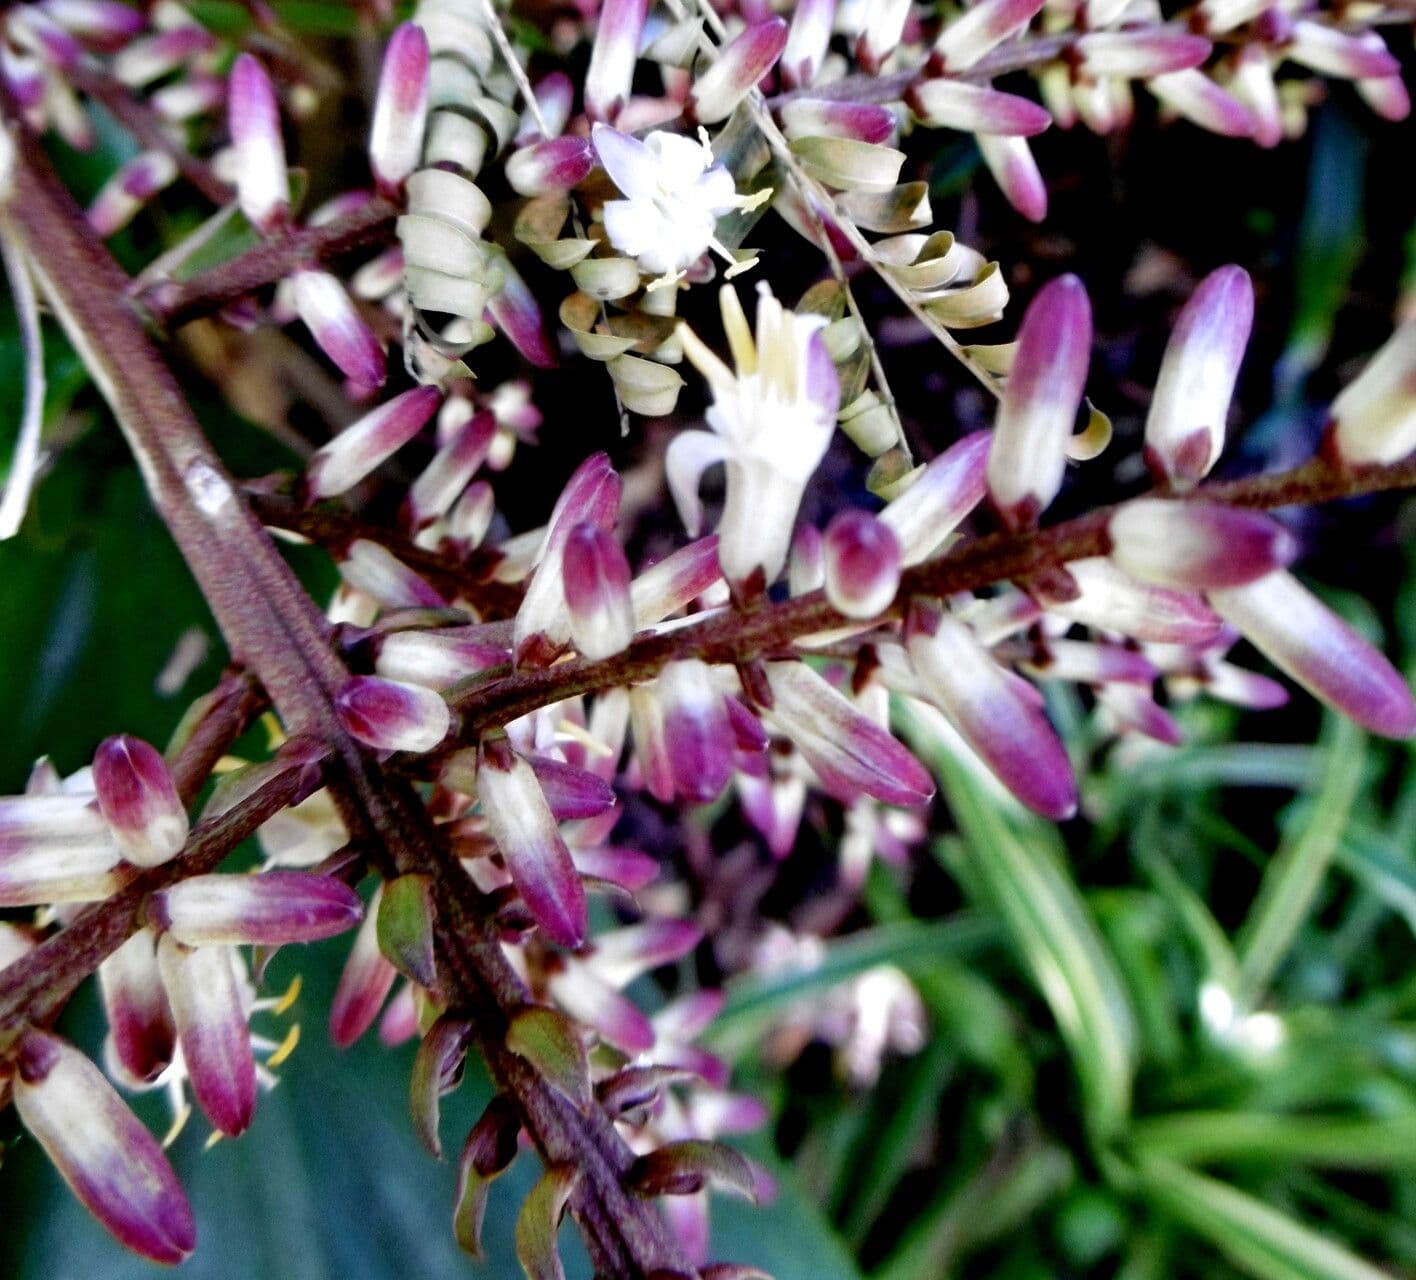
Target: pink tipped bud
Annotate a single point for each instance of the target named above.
(139, 800)
(1306, 640)
(392, 716)
(120, 198)
(862, 564)
(622, 955)
(438, 658)
(996, 712)
(612, 58)
(981, 28)
(469, 520)
(1111, 601)
(555, 99)
(572, 793)
(1040, 402)
(806, 564)
(450, 471)
(338, 329)
(1134, 710)
(596, 577)
(196, 95)
(517, 313)
(932, 507)
(111, 1163)
(400, 107)
(675, 581)
(141, 62)
(1084, 663)
(885, 24)
(1196, 97)
(740, 65)
(267, 910)
(553, 165)
(1374, 419)
(1387, 96)
(1254, 85)
(359, 448)
(105, 22)
(807, 40)
(1332, 52)
(55, 848)
(210, 1016)
(372, 568)
(975, 108)
(364, 984)
(1138, 55)
(262, 186)
(139, 1022)
(1010, 161)
(525, 831)
(33, 29)
(823, 118)
(1197, 545)
(1186, 425)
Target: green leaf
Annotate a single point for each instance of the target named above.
(405, 928)
(552, 1043)
(1207, 1137)
(539, 1221)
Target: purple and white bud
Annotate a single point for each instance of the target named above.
(1387, 96)
(807, 41)
(978, 29)
(1010, 161)
(266, 910)
(400, 108)
(1040, 401)
(1111, 601)
(1304, 639)
(392, 716)
(139, 801)
(1360, 55)
(555, 99)
(948, 489)
(210, 1016)
(364, 984)
(525, 831)
(451, 470)
(975, 108)
(1186, 424)
(438, 658)
(1253, 84)
(849, 752)
(572, 793)
(1196, 97)
(884, 26)
(359, 448)
(614, 864)
(338, 329)
(140, 62)
(471, 517)
(675, 581)
(1082, 662)
(1133, 709)
(262, 184)
(1140, 54)
(108, 23)
(371, 568)
(612, 57)
(591, 1000)
(554, 164)
(1197, 545)
(56, 848)
(683, 738)
(517, 313)
(624, 954)
(862, 562)
(33, 29)
(1374, 418)
(741, 63)
(112, 1164)
(826, 118)
(131, 187)
(141, 1034)
(806, 564)
(24, 76)
(596, 577)
(196, 95)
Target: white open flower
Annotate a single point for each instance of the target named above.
(674, 195)
(772, 423)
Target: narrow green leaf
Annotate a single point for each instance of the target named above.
(549, 1041)
(539, 1220)
(405, 928)
(1205, 1137)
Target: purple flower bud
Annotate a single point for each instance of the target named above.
(364, 984)
(628, 868)
(884, 26)
(555, 98)
(1307, 641)
(807, 41)
(555, 164)
(111, 1163)
(267, 910)
(682, 735)
(392, 716)
(596, 576)
(438, 658)
(139, 1021)
(1196, 97)
(1360, 55)
(825, 118)
(862, 564)
(1040, 402)
(105, 22)
(1138, 55)
(36, 31)
(140, 62)
(1133, 708)
(196, 95)
(450, 471)
(975, 108)
(358, 449)
(1185, 427)
(931, 508)
(1197, 545)
(517, 313)
(675, 581)
(338, 329)
(139, 800)
(572, 793)
(1084, 663)
(373, 569)
(525, 831)
(400, 108)
(1011, 163)
(980, 28)
(469, 520)
(997, 713)
(1111, 601)
(806, 563)
(740, 65)
(591, 1000)
(622, 955)
(850, 753)
(131, 187)
(262, 186)
(55, 848)
(24, 77)
(211, 1025)
(1374, 419)
(612, 57)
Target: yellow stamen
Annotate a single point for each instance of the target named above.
(739, 332)
(292, 994)
(179, 1122)
(216, 1137)
(275, 733)
(579, 733)
(287, 1046)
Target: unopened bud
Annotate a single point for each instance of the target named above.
(596, 576)
(1197, 545)
(139, 800)
(862, 564)
(392, 716)
(1374, 419)
(359, 448)
(338, 329)
(400, 107)
(740, 65)
(262, 185)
